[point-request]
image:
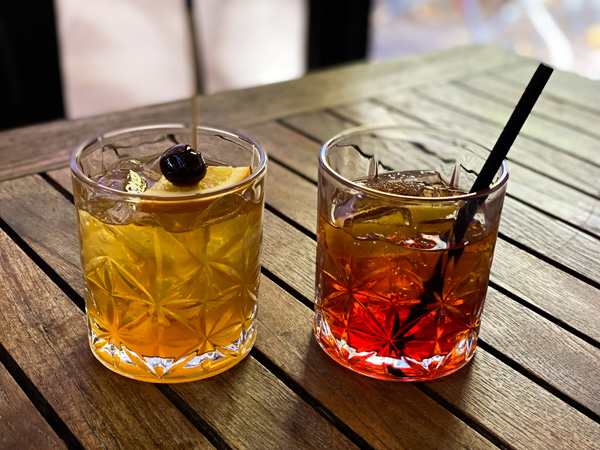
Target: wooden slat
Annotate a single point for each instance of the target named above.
(21, 425)
(282, 245)
(548, 132)
(537, 282)
(542, 348)
(528, 152)
(566, 86)
(495, 399)
(294, 252)
(386, 415)
(507, 91)
(533, 280)
(20, 201)
(555, 240)
(530, 186)
(250, 408)
(20, 149)
(45, 333)
(524, 414)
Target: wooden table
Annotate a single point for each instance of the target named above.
(535, 380)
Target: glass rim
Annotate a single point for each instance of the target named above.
(495, 186)
(112, 132)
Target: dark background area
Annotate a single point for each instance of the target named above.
(30, 82)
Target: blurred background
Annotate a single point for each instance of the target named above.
(109, 55)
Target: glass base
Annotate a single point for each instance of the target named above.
(156, 369)
(403, 368)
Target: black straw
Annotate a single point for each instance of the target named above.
(483, 181)
(503, 144)
(513, 127)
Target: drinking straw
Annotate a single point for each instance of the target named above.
(500, 150)
(486, 176)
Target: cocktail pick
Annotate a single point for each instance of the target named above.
(435, 284)
(197, 70)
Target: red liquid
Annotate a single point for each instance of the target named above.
(377, 312)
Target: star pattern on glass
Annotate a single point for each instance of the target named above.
(204, 291)
(391, 324)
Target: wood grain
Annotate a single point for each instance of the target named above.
(45, 333)
(519, 344)
(21, 425)
(233, 399)
(387, 415)
(20, 148)
(292, 400)
(278, 312)
(542, 348)
(549, 106)
(522, 412)
(21, 203)
(547, 131)
(458, 116)
(566, 86)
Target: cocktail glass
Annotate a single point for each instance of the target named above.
(399, 288)
(171, 278)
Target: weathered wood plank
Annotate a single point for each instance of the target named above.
(527, 185)
(532, 186)
(549, 132)
(20, 207)
(507, 91)
(528, 152)
(21, 425)
(531, 279)
(45, 333)
(21, 149)
(524, 414)
(250, 408)
(556, 240)
(535, 343)
(534, 281)
(542, 348)
(566, 86)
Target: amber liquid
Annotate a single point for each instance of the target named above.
(377, 310)
(169, 298)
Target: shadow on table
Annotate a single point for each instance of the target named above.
(385, 414)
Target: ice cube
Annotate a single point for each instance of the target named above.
(415, 183)
(132, 175)
(343, 211)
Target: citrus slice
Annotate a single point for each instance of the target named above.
(217, 177)
(431, 212)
